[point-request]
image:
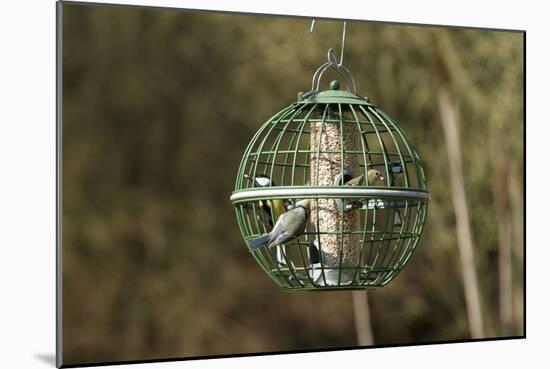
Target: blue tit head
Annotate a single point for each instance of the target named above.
(396, 167)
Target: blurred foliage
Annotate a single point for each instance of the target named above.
(158, 107)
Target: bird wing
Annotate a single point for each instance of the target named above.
(294, 220)
(355, 181)
(278, 229)
(281, 238)
(289, 226)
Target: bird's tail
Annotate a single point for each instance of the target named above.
(258, 242)
(314, 256)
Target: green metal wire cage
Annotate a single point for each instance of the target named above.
(366, 184)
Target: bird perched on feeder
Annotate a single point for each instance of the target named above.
(374, 177)
(348, 180)
(354, 181)
(269, 210)
(267, 207)
(289, 226)
(396, 168)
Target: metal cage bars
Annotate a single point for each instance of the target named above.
(260, 159)
(280, 149)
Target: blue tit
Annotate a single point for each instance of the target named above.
(289, 226)
(396, 168)
(348, 180)
(269, 209)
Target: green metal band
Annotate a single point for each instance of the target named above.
(335, 97)
(323, 192)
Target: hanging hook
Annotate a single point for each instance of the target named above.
(312, 25)
(341, 61)
(332, 62)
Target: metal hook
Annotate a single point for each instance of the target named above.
(339, 63)
(333, 63)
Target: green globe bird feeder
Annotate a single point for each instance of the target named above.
(367, 189)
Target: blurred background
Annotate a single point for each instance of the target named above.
(158, 107)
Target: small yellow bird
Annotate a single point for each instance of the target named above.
(348, 204)
(374, 177)
(270, 211)
(355, 181)
(277, 206)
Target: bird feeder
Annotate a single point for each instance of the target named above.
(360, 233)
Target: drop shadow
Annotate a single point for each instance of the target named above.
(46, 358)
